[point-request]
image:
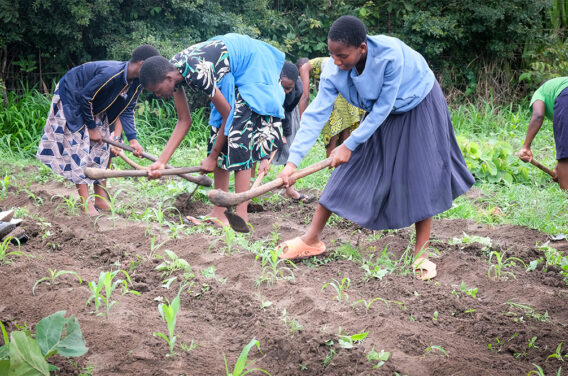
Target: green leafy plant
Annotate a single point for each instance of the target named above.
(23, 354)
(528, 311)
(54, 274)
(72, 204)
(167, 267)
(347, 341)
(4, 184)
(273, 267)
(340, 288)
(437, 348)
(469, 292)
(169, 314)
(540, 372)
(241, 366)
(380, 358)
(101, 291)
(558, 353)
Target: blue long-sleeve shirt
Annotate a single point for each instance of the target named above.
(94, 87)
(395, 80)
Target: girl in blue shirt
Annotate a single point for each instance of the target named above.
(241, 76)
(402, 165)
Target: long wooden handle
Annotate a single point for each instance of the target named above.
(262, 174)
(201, 180)
(103, 173)
(536, 163)
(226, 199)
(130, 161)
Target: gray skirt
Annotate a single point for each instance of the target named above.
(281, 156)
(409, 170)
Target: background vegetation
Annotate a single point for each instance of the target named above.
(492, 48)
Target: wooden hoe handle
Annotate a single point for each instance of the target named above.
(103, 173)
(536, 163)
(201, 180)
(226, 199)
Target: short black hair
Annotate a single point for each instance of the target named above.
(154, 70)
(290, 71)
(301, 61)
(349, 30)
(143, 52)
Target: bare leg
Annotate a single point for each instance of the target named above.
(321, 216)
(242, 184)
(83, 190)
(422, 237)
(102, 201)
(292, 193)
(343, 135)
(332, 144)
(221, 181)
(562, 173)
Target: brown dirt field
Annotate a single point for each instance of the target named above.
(222, 315)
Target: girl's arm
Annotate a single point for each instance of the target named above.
(534, 126)
(182, 127)
(305, 77)
(221, 104)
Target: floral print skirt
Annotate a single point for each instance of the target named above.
(252, 138)
(67, 153)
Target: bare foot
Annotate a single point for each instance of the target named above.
(90, 210)
(208, 219)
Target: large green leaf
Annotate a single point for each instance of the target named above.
(25, 356)
(52, 339)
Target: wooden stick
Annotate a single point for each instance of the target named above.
(103, 173)
(226, 199)
(536, 163)
(261, 174)
(130, 161)
(202, 180)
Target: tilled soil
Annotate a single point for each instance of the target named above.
(429, 328)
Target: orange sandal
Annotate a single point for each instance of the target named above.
(297, 248)
(424, 268)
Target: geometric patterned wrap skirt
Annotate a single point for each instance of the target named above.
(409, 170)
(67, 153)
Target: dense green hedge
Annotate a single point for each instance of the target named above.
(458, 38)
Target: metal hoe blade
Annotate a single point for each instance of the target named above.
(237, 223)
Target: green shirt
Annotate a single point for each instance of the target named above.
(548, 93)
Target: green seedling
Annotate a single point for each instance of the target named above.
(158, 214)
(167, 267)
(54, 274)
(209, 273)
(502, 263)
(379, 358)
(4, 184)
(101, 292)
(4, 254)
(558, 353)
(497, 346)
(188, 348)
(273, 267)
(329, 357)
(38, 201)
(435, 316)
(169, 314)
(540, 372)
(154, 247)
(340, 288)
(437, 348)
(23, 354)
(347, 341)
(72, 204)
(241, 367)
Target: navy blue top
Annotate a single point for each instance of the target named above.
(98, 86)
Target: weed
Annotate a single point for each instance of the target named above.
(188, 348)
(169, 315)
(167, 267)
(154, 247)
(379, 358)
(38, 201)
(272, 266)
(101, 292)
(347, 341)
(528, 311)
(496, 347)
(4, 184)
(470, 239)
(209, 273)
(293, 324)
(340, 288)
(503, 263)
(53, 275)
(437, 348)
(241, 366)
(469, 292)
(540, 372)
